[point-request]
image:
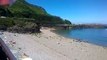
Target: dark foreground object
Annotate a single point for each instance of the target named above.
(5, 52)
(2, 54)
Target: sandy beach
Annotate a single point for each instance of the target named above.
(50, 46)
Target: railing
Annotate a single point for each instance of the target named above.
(7, 50)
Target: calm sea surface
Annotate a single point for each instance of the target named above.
(94, 36)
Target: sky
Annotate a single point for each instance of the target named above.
(77, 11)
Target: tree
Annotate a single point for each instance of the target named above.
(67, 22)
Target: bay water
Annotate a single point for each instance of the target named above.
(94, 36)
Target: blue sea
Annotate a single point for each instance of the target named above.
(94, 36)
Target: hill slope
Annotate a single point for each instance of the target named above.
(23, 9)
(21, 6)
(19, 18)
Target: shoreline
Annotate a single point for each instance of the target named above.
(51, 46)
(77, 39)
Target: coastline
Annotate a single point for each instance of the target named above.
(51, 46)
(57, 31)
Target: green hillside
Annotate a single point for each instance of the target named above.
(23, 9)
(24, 17)
(22, 6)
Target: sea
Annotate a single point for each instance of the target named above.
(93, 36)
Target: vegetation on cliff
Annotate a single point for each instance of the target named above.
(22, 9)
(19, 25)
(18, 15)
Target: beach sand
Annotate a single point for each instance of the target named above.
(50, 46)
